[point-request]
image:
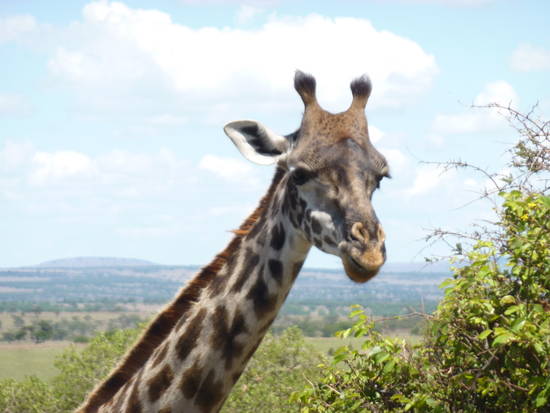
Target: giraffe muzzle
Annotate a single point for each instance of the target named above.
(365, 255)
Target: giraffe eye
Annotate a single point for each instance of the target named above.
(301, 175)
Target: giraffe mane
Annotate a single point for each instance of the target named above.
(165, 321)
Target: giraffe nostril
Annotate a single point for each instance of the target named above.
(359, 232)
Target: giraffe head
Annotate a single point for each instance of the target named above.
(332, 171)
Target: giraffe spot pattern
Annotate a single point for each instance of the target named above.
(329, 241)
(224, 336)
(251, 261)
(278, 237)
(294, 219)
(218, 283)
(117, 380)
(188, 340)
(181, 322)
(189, 383)
(316, 226)
(293, 199)
(159, 383)
(264, 303)
(161, 355)
(276, 270)
(165, 410)
(210, 393)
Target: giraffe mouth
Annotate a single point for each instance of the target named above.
(357, 272)
(362, 267)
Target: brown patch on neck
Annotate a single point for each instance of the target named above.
(163, 324)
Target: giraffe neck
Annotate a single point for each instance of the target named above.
(229, 307)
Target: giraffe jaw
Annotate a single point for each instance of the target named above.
(357, 272)
(361, 267)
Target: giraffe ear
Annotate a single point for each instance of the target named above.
(256, 142)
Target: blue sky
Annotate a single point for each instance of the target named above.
(111, 114)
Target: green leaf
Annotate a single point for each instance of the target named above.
(518, 325)
(512, 309)
(503, 339)
(446, 283)
(389, 366)
(356, 313)
(507, 300)
(484, 334)
(541, 399)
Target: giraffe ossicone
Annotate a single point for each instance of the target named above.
(194, 351)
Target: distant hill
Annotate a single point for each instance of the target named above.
(87, 262)
(98, 262)
(106, 282)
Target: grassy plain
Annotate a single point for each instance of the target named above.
(18, 360)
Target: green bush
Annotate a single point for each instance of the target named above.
(486, 349)
(30, 395)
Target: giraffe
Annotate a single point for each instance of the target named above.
(194, 351)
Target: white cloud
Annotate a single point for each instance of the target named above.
(427, 178)
(500, 92)
(396, 159)
(70, 174)
(476, 119)
(120, 49)
(375, 134)
(59, 166)
(529, 58)
(13, 27)
(230, 169)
